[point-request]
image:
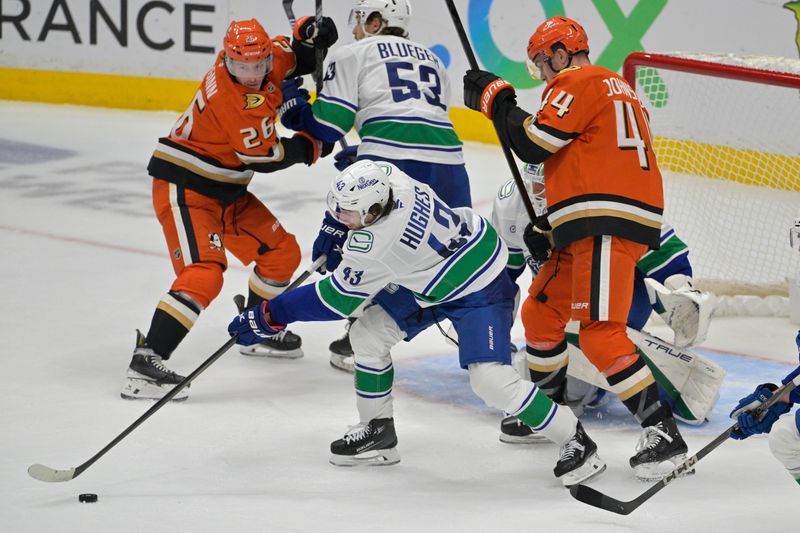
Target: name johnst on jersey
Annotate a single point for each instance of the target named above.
(418, 221)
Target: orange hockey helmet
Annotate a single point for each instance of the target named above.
(557, 30)
(247, 41)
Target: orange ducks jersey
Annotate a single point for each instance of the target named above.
(602, 177)
(226, 127)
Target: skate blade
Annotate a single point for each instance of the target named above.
(650, 472)
(389, 456)
(141, 389)
(593, 467)
(259, 350)
(344, 363)
(533, 438)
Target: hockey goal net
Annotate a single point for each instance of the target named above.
(727, 138)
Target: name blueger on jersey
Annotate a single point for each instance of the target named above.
(405, 50)
(418, 221)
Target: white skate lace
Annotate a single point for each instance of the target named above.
(356, 433)
(651, 436)
(155, 361)
(280, 335)
(570, 449)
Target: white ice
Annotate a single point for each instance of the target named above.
(84, 266)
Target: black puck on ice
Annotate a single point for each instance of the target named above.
(87, 498)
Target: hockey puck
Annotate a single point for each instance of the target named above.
(87, 498)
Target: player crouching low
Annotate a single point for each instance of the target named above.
(453, 263)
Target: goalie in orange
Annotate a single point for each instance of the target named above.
(200, 177)
(604, 207)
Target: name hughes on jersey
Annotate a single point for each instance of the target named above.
(418, 221)
(406, 50)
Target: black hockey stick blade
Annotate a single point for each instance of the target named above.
(51, 475)
(595, 498)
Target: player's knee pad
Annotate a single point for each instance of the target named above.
(604, 342)
(374, 334)
(202, 282)
(784, 442)
(280, 261)
(541, 324)
(499, 385)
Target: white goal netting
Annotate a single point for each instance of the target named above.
(727, 136)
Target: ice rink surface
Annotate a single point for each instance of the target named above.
(85, 264)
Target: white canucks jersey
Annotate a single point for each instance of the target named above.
(440, 254)
(397, 93)
(510, 218)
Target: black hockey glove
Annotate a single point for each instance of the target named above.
(484, 91)
(316, 148)
(306, 31)
(537, 239)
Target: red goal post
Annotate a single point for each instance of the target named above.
(726, 134)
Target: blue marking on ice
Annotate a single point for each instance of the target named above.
(439, 379)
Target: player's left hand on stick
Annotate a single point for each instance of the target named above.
(483, 91)
(537, 239)
(744, 412)
(322, 35)
(254, 325)
(329, 242)
(295, 103)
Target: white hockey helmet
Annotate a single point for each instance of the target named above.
(395, 14)
(362, 187)
(533, 178)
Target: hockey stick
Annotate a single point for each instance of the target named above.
(318, 74)
(595, 498)
(45, 473)
(473, 64)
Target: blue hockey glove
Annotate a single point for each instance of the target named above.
(743, 412)
(254, 325)
(794, 396)
(345, 157)
(329, 242)
(295, 104)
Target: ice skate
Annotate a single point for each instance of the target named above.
(578, 460)
(514, 431)
(372, 444)
(147, 377)
(342, 351)
(284, 345)
(659, 450)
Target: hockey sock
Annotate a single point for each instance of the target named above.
(646, 407)
(373, 391)
(173, 318)
(260, 289)
(548, 369)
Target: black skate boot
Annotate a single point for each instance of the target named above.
(342, 351)
(514, 431)
(660, 449)
(578, 459)
(373, 444)
(147, 376)
(285, 345)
